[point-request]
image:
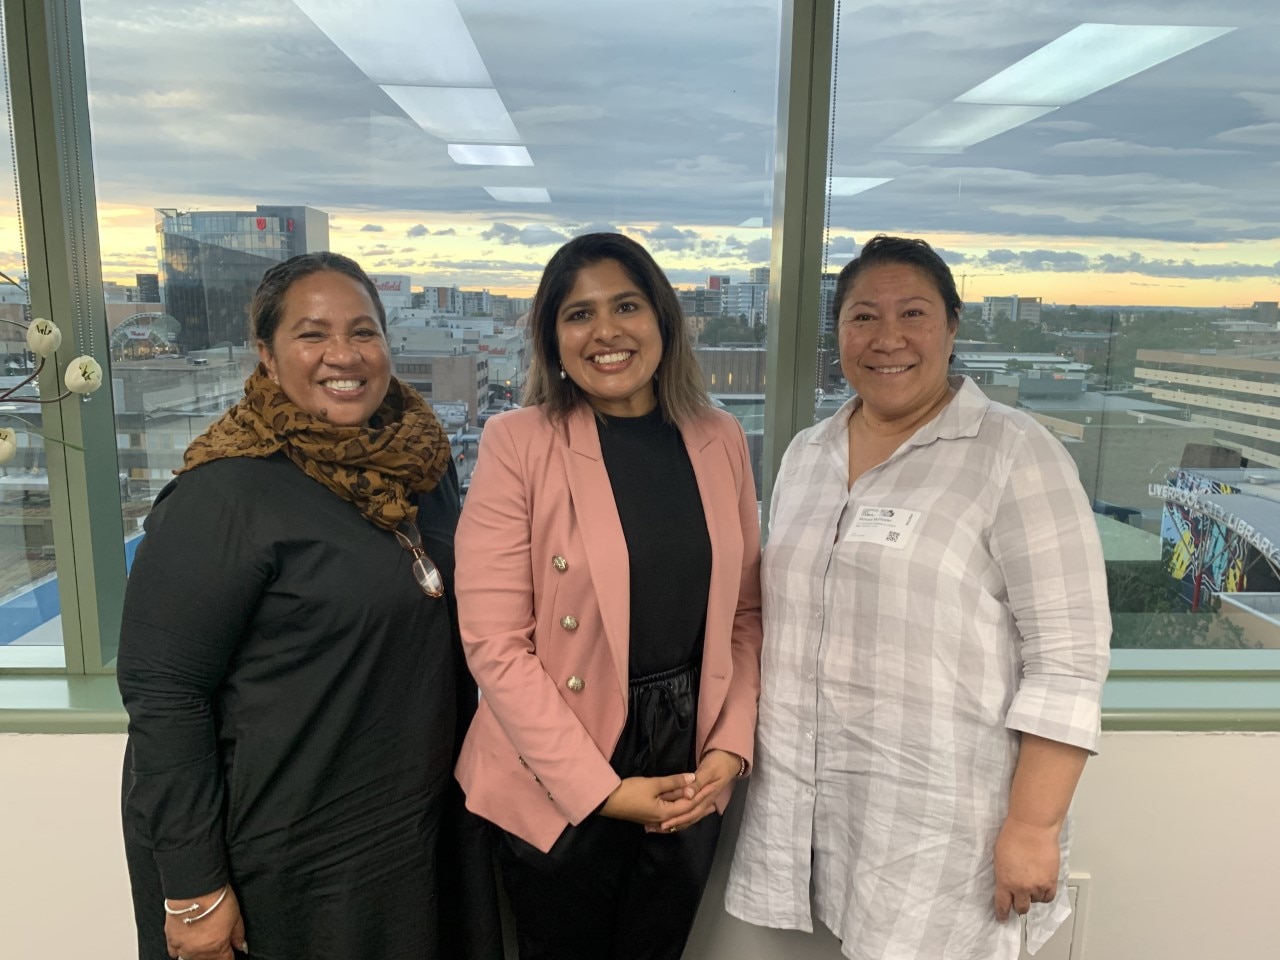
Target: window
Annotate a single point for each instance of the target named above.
(1101, 178)
(263, 130)
(30, 625)
(1115, 244)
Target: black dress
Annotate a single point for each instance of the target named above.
(294, 703)
(607, 889)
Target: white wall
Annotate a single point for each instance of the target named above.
(64, 891)
(1180, 832)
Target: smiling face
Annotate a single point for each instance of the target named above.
(609, 341)
(328, 352)
(895, 341)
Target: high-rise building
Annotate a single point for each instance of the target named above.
(700, 302)
(446, 300)
(476, 303)
(1017, 309)
(747, 300)
(759, 275)
(113, 292)
(148, 288)
(1267, 311)
(212, 260)
(718, 282)
(829, 373)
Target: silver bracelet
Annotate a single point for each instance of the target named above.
(174, 912)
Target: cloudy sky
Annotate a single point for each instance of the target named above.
(658, 118)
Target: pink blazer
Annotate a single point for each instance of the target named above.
(544, 606)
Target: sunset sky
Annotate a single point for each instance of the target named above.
(475, 252)
(658, 119)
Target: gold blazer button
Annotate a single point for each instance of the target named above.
(560, 563)
(569, 623)
(576, 684)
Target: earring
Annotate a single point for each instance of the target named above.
(563, 375)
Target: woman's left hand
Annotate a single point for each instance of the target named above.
(1027, 860)
(717, 770)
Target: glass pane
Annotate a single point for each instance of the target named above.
(1101, 177)
(267, 128)
(30, 621)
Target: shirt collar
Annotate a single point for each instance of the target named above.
(962, 417)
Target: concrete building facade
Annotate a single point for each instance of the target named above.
(1018, 309)
(1238, 397)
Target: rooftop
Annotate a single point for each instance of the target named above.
(1096, 403)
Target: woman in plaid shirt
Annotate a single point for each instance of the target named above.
(936, 640)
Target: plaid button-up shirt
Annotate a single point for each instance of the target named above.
(914, 624)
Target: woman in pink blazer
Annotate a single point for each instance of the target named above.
(609, 599)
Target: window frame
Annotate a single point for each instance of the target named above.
(1146, 690)
(53, 156)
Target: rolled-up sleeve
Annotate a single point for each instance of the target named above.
(1046, 543)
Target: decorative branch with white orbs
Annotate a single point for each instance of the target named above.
(82, 376)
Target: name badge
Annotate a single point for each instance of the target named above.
(887, 526)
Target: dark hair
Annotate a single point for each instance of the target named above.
(882, 249)
(682, 394)
(268, 300)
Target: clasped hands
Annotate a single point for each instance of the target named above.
(671, 803)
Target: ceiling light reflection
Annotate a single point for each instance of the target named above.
(952, 127)
(852, 186)
(1087, 59)
(456, 113)
(403, 42)
(490, 154)
(519, 194)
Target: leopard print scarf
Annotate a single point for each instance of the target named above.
(378, 468)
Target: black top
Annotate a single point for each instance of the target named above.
(667, 542)
(293, 699)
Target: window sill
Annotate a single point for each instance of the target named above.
(61, 704)
(1147, 690)
(1191, 703)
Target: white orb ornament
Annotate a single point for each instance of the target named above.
(43, 337)
(8, 444)
(83, 376)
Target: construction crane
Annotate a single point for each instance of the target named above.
(965, 276)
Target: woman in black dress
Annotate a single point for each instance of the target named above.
(287, 659)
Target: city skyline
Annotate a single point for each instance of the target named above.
(507, 260)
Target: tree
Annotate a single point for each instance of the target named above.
(1148, 611)
(720, 330)
(1021, 337)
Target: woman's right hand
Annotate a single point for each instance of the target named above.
(211, 938)
(644, 799)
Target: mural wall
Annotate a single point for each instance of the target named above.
(1200, 552)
